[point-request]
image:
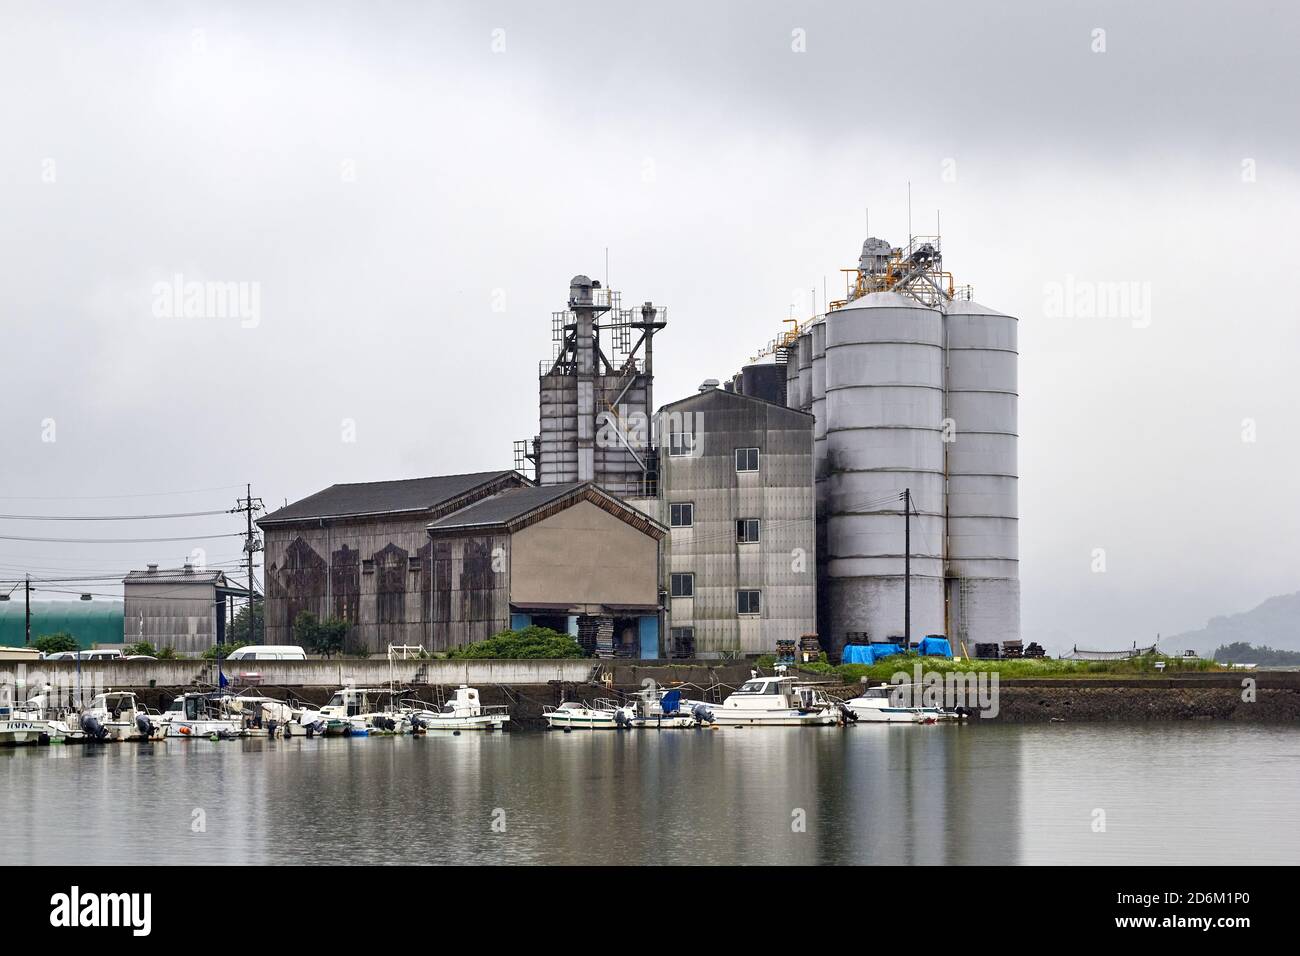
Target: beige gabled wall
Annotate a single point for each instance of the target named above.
(583, 555)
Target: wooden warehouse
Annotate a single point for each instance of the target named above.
(443, 561)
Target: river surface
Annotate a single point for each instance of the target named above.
(1090, 794)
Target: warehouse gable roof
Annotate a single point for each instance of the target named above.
(388, 497)
(517, 508)
(721, 398)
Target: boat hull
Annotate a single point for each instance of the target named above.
(18, 733)
(792, 718)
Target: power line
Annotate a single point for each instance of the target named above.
(142, 494)
(113, 540)
(181, 514)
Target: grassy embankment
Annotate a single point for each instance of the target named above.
(1042, 667)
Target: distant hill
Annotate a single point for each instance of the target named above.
(1275, 624)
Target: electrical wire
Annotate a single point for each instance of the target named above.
(142, 494)
(196, 537)
(182, 514)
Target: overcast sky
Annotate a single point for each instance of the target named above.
(408, 187)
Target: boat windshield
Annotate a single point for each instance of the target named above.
(752, 687)
(336, 700)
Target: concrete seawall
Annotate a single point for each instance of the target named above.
(527, 685)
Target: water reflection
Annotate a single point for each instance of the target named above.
(868, 794)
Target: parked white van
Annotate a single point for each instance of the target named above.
(268, 652)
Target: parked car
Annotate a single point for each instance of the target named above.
(268, 652)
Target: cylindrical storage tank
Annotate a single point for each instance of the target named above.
(766, 381)
(817, 401)
(805, 372)
(792, 378)
(983, 509)
(884, 411)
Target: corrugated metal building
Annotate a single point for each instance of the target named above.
(361, 552)
(92, 623)
(570, 557)
(444, 561)
(183, 608)
(736, 490)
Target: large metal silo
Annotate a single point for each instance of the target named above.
(983, 530)
(817, 399)
(884, 410)
(804, 352)
(792, 397)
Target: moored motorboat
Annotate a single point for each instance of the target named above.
(779, 701)
(360, 711)
(657, 709)
(601, 714)
(890, 704)
(118, 715)
(195, 715)
(29, 722)
(464, 711)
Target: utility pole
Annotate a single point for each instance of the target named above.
(907, 569)
(249, 506)
(27, 593)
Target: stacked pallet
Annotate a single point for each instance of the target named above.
(1012, 649)
(987, 652)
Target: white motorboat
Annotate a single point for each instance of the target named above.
(360, 711)
(195, 715)
(885, 704)
(464, 711)
(29, 722)
(779, 701)
(258, 716)
(657, 709)
(118, 715)
(601, 714)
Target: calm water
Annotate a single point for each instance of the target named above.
(1171, 793)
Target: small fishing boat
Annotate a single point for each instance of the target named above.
(601, 714)
(118, 715)
(360, 711)
(885, 704)
(657, 709)
(29, 723)
(779, 701)
(196, 715)
(258, 716)
(464, 711)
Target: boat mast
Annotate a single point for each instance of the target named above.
(907, 568)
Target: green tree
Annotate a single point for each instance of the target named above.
(327, 637)
(238, 633)
(530, 642)
(56, 642)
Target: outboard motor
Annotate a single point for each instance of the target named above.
(271, 726)
(93, 728)
(621, 719)
(848, 713)
(144, 725)
(417, 725)
(702, 714)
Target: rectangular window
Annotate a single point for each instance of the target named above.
(683, 585)
(747, 602)
(681, 515)
(680, 444)
(747, 530)
(683, 642)
(746, 459)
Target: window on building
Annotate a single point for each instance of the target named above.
(681, 515)
(746, 459)
(683, 585)
(748, 602)
(680, 444)
(683, 642)
(747, 530)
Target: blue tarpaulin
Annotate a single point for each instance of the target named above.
(867, 653)
(934, 646)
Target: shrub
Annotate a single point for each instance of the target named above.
(56, 642)
(530, 642)
(139, 648)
